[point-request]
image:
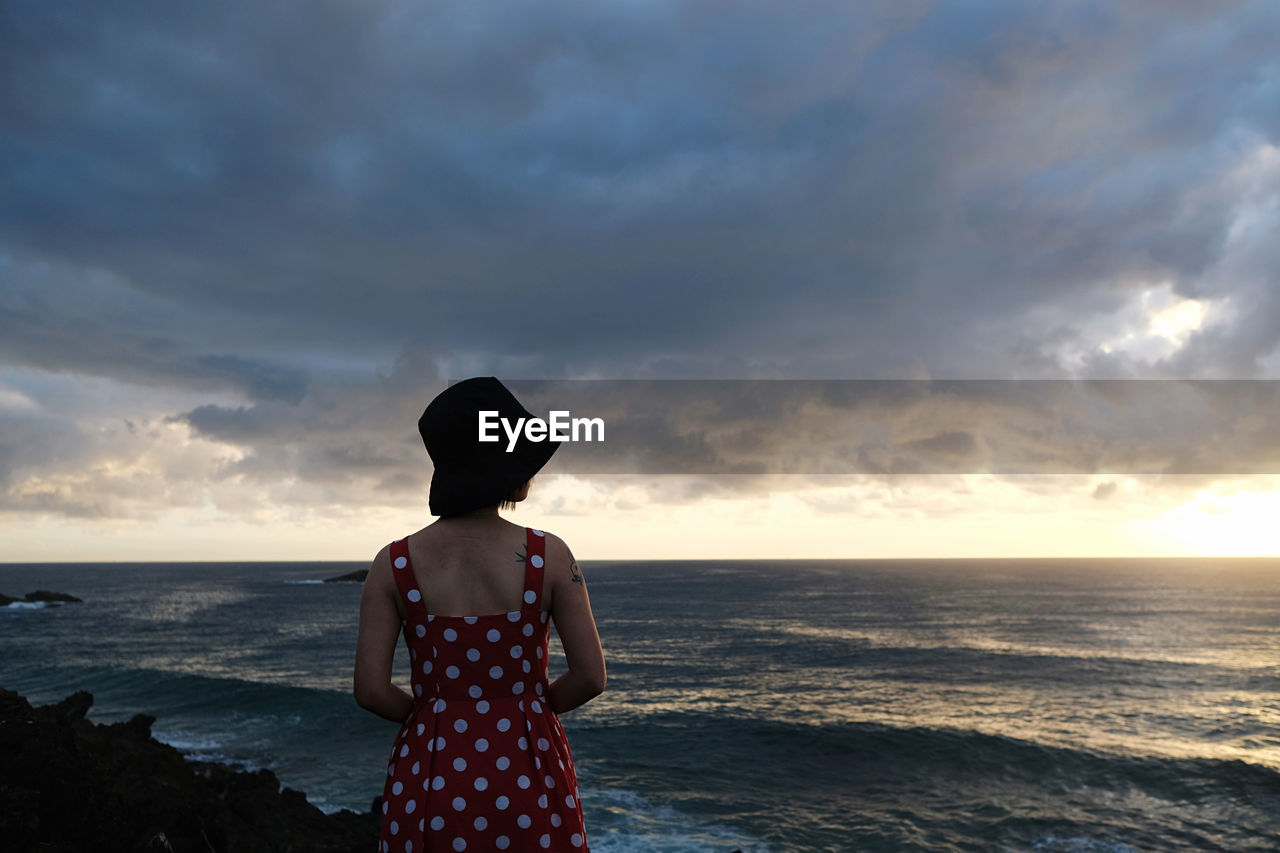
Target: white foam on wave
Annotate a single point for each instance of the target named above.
(1080, 845)
(626, 822)
(26, 605)
(206, 747)
(308, 581)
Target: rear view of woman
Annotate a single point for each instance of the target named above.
(481, 761)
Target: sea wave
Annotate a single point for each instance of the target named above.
(626, 822)
(25, 605)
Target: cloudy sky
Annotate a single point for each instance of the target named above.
(242, 244)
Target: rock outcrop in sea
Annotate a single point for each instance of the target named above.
(357, 576)
(39, 595)
(68, 785)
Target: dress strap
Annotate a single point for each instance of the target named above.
(402, 570)
(535, 549)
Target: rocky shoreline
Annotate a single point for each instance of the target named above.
(68, 785)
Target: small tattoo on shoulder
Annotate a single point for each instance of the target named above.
(521, 556)
(574, 574)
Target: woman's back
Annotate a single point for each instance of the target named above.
(472, 567)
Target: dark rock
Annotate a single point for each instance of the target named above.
(6, 600)
(69, 785)
(51, 597)
(350, 577)
(75, 706)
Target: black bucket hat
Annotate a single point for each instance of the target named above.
(470, 474)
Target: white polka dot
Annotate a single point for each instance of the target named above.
(537, 709)
(494, 635)
(420, 823)
(527, 666)
(481, 783)
(401, 562)
(575, 840)
(482, 745)
(504, 724)
(439, 744)
(450, 634)
(537, 688)
(516, 651)
(414, 595)
(524, 821)
(504, 763)
(542, 801)
(523, 744)
(482, 707)
(426, 667)
(536, 532)
(502, 842)
(452, 671)
(431, 617)
(555, 819)
(568, 801)
(410, 806)
(439, 706)
(459, 804)
(538, 652)
(459, 844)
(417, 690)
(527, 630)
(495, 672)
(513, 616)
(408, 847)
(481, 824)
(404, 750)
(473, 655)
(459, 764)
(417, 765)
(530, 596)
(523, 781)
(437, 823)
(544, 841)
(474, 691)
(385, 806)
(536, 560)
(470, 620)
(395, 828)
(543, 616)
(544, 744)
(551, 783)
(502, 803)
(420, 629)
(460, 726)
(397, 788)
(517, 688)
(437, 783)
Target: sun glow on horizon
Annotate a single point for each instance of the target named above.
(1238, 524)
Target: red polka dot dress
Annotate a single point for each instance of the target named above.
(482, 762)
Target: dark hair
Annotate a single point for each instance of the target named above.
(507, 503)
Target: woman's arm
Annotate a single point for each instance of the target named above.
(376, 644)
(576, 626)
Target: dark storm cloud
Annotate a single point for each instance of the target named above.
(234, 198)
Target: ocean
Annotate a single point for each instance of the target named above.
(1061, 705)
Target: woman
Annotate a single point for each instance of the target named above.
(481, 761)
